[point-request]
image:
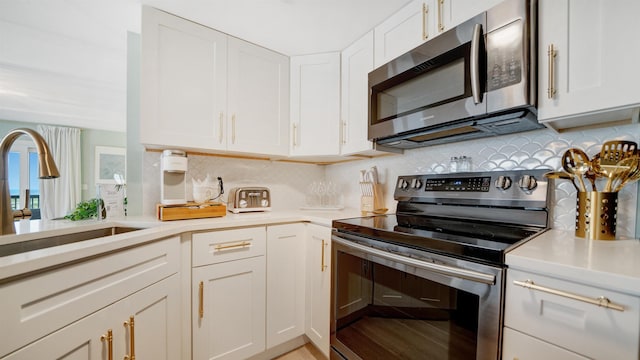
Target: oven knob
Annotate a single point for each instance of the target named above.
(527, 183)
(242, 203)
(403, 184)
(264, 202)
(416, 184)
(503, 182)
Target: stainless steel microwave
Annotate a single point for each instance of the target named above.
(475, 80)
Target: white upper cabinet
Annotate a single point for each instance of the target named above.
(592, 75)
(184, 83)
(357, 62)
(450, 13)
(404, 30)
(204, 90)
(315, 104)
(258, 99)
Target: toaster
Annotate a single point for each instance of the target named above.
(246, 199)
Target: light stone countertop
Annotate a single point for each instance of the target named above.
(613, 265)
(17, 264)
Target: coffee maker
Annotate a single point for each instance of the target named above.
(173, 171)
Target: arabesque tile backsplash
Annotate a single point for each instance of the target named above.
(289, 182)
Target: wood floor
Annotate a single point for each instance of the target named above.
(306, 352)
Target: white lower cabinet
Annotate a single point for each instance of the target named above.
(77, 303)
(144, 325)
(285, 282)
(228, 297)
(519, 346)
(551, 316)
(318, 286)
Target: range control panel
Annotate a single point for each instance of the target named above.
(458, 184)
(528, 185)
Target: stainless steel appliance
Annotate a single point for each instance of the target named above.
(427, 282)
(475, 80)
(247, 199)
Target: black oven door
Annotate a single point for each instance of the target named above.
(386, 305)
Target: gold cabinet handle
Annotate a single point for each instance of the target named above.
(323, 265)
(233, 128)
(552, 53)
(440, 20)
(132, 339)
(242, 244)
(201, 298)
(425, 17)
(601, 301)
(221, 128)
(108, 337)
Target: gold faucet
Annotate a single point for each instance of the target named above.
(48, 170)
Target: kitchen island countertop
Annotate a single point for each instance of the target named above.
(613, 265)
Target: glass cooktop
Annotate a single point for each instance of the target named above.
(472, 240)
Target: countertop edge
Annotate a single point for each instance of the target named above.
(612, 265)
(15, 265)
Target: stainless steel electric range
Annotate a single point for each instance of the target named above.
(428, 281)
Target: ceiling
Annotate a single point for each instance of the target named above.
(291, 27)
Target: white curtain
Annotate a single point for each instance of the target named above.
(58, 197)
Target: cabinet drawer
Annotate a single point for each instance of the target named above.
(557, 313)
(227, 245)
(516, 345)
(39, 304)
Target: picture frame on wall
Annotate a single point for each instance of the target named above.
(109, 161)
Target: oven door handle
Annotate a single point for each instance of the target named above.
(437, 268)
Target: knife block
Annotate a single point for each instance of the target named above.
(596, 215)
(372, 200)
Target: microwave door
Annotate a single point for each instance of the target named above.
(437, 89)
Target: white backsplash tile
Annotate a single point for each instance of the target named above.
(289, 182)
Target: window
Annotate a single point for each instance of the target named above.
(23, 175)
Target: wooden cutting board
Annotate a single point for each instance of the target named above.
(190, 211)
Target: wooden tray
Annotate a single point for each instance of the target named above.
(190, 211)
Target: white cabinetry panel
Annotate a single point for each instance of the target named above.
(285, 282)
(594, 72)
(315, 104)
(184, 83)
(318, 287)
(584, 328)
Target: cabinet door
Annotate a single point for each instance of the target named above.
(519, 346)
(229, 309)
(595, 67)
(285, 282)
(453, 12)
(404, 30)
(318, 287)
(258, 99)
(315, 104)
(357, 62)
(156, 323)
(183, 83)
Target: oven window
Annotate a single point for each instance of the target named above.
(384, 313)
(429, 88)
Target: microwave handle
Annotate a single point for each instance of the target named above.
(474, 67)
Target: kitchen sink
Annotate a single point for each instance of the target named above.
(50, 241)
